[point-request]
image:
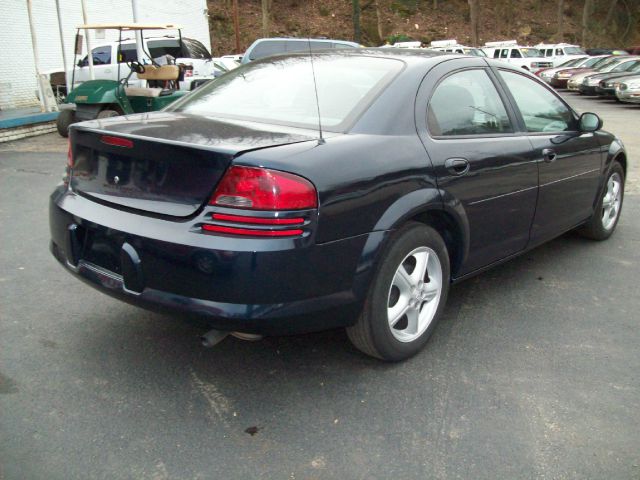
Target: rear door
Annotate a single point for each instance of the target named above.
(569, 161)
(484, 169)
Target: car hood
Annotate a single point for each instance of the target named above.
(222, 135)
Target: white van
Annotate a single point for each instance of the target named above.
(560, 52)
(528, 58)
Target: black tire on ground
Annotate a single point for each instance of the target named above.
(595, 228)
(107, 112)
(65, 118)
(372, 333)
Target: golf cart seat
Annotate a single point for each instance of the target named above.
(153, 73)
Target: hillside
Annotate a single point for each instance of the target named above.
(612, 23)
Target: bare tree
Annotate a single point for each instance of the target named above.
(474, 16)
(266, 17)
(379, 20)
(560, 33)
(586, 16)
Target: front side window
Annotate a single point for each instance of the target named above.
(541, 110)
(128, 53)
(515, 53)
(467, 103)
(281, 91)
(531, 52)
(559, 51)
(504, 53)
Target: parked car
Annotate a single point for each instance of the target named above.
(628, 90)
(562, 76)
(590, 83)
(193, 55)
(528, 58)
(605, 51)
(452, 46)
(560, 52)
(546, 74)
(608, 86)
(264, 47)
(231, 205)
(575, 81)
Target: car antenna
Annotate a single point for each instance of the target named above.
(315, 89)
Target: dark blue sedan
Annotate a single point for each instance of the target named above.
(343, 189)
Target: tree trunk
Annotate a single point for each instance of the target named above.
(266, 17)
(560, 33)
(586, 16)
(474, 16)
(379, 21)
(435, 4)
(356, 21)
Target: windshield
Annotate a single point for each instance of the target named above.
(281, 90)
(573, 51)
(625, 66)
(531, 52)
(571, 63)
(610, 66)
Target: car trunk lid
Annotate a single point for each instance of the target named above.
(166, 164)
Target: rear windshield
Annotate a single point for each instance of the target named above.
(274, 47)
(171, 46)
(281, 90)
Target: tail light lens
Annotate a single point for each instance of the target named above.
(264, 189)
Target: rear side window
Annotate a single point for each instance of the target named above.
(542, 110)
(467, 103)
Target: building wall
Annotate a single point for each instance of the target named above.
(17, 67)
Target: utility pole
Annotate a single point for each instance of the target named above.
(136, 19)
(67, 80)
(236, 24)
(86, 34)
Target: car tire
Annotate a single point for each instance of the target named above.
(383, 331)
(107, 112)
(64, 120)
(607, 213)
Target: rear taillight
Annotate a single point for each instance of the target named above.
(277, 198)
(264, 189)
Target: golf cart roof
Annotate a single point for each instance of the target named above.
(130, 26)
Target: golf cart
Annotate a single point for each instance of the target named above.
(108, 98)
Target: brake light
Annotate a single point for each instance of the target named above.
(116, 141)
(264, 189)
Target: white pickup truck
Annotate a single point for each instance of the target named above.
(198, 63)
(559, 53)
(528, 58)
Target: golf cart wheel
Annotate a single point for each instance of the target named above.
(65, 118)
(107, 112)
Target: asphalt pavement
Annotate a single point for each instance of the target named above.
(534, 371)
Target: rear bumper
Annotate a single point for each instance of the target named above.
(268, 286)
(629, 96)
(587, 90)
(558, 82)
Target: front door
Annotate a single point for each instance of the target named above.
(569, 161)
(483, 166)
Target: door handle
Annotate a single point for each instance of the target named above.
(457, 166)
(548, 155)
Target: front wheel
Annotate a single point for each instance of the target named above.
(607, 213)
(107, 113)
(407, 295)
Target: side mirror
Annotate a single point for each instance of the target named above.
(590, 122)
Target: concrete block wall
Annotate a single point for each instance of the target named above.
(17, 68)
(10, 134)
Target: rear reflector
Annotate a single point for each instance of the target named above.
(251, 232)
(257, 220)
(264, 189)
(116, 141)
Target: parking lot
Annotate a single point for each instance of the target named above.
(532, 372)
